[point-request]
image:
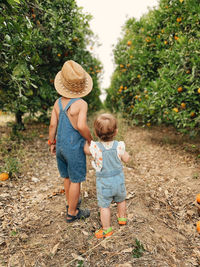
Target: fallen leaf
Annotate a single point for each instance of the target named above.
(128, 250)
(54, 249)
(77, 257)
(84, 232)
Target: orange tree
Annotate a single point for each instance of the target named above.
(157, 78)
(37, 37)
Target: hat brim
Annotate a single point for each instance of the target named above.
(64, 91)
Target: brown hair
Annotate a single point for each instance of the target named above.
(105, 127)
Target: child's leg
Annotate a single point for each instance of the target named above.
(105, 221)
(67, 183)
(105, 217)
(121, 208)
(74, 192)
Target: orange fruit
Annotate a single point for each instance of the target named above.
(180, 89)
(192, 114)
(179, 19)
(59, 55)
(198, 226)
(198, 198)
(183, 105)
(129, 43)
(175, 109)
(4, 176)
(199, 90)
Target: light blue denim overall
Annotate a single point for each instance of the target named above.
(70, 155)
(110, 182)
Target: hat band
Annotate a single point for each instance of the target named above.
(74, 86)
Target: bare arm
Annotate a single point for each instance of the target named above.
(53, 129)
(125, 158)
(82, 122)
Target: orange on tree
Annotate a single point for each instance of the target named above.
(192, 114)
(4, 176)
(180, 89)
(183, 105)
(129, 43)
(179, 19)
(175, 109)
(199, 90)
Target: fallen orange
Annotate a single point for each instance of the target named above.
(198, 198)
(198, 226)
(4, 176)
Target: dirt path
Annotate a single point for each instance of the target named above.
(162, 181)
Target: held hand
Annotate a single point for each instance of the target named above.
(86, 148)
(53, 149)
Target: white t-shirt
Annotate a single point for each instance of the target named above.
(96, 152)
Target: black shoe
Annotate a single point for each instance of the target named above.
(82, 214)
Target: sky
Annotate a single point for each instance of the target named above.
(108, 18)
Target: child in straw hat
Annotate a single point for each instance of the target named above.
(110, 183)
(68, 132)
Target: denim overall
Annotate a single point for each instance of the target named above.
(70, 156)
(110, 182)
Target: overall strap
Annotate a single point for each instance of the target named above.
(115, 144)
(71, 101)
(100, 146)
(60, 104)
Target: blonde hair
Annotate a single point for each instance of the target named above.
(105, 127)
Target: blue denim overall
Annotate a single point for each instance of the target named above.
(70, 155)
(110, 183)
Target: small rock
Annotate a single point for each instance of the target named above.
(35, 180)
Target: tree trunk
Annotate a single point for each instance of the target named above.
(18, 118)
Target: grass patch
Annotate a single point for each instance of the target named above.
(138, 250)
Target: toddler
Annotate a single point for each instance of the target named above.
(110, 184)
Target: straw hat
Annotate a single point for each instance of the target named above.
(73, 81)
